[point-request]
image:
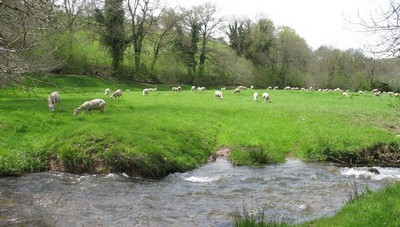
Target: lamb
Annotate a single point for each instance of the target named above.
(255, 96)
(107, 91)
(236, 91)
(266, 97)
(53, 98)
(117, 94)
(218, 94)
(177, 89)
(95, 104)
(146, 91)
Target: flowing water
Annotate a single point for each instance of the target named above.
(291, 192)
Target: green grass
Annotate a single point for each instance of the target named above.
(167, 131)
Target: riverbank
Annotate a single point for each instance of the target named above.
(166, 132)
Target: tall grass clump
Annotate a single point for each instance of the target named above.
(247, 217)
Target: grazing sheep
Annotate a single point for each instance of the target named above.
(345, 94)
(53, 98)
(95, 104)
(193, 88)
(218, 94)
(145, 91)
(117, 94)
(266, 97)
(360, 92)
(107, 91)
(251, 87)
(255, 96)
(276, 87)
(236, 91)
(269, 88)
(378, 94)
(201, 88)
(223, 88)
(375, 90)
(241, 87)
(177, 89)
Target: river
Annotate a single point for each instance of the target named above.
(291, 192)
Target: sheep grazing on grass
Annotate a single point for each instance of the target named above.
(193, 88)
(177, 89)
(107, 91)
(53, 98)
(201, 88)
(236, 91)
(218, 94)
(255, 97)
(145, 91)
(266, 97)
(95, 104)
(345, 94)
(117, 94)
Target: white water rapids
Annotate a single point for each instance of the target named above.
(291, 192)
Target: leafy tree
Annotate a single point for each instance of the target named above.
(142, 16)
(291, 56)
(238, 33)
(113, 33)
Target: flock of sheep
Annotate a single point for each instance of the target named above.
(99, 104)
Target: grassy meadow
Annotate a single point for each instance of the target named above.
(167, 131)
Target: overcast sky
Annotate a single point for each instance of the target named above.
(319, 22)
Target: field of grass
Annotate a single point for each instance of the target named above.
(167, 131)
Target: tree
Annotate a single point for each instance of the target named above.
(25, 29)
(201, 23)
(141, 19)
(291, 58)
(238, 33)
(385, 25)
(163, 35)
(112, 36)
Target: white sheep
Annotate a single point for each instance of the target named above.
(193, 88)
(236, 91)
(52, 99)
(241, 87)
(251, 87)
(266, 97)
(255, 96)
(223, 88)
(345, 94)
(107, 91)
(201, 88)
(218, 94)
(116, 94)
(177, 89)
(95, 104)
(145, 91)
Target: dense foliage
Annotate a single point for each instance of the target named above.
(144, 41)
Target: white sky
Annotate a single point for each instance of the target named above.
(319, 22)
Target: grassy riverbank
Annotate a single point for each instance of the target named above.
(167, 131)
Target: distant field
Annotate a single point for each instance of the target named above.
(170, 131)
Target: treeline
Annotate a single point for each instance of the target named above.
(143, 41)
